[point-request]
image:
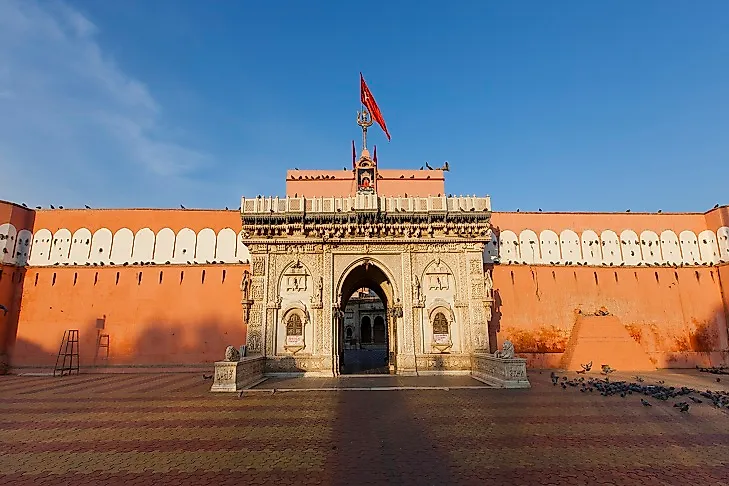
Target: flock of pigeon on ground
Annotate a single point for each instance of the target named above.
(659, 391)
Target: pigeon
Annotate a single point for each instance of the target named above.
(87, 206)
(182, 207)
(645, 404)
(428, 166)
(24, 205)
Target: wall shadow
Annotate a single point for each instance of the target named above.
(494, 326)
(382, 437)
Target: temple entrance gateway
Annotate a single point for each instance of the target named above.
(365, 336)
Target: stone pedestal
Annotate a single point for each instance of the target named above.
(233, 376)
(500, 372)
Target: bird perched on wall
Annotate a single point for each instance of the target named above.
(716, 206)
(87, 206)
(627, 210)
(51, 205)
(24, 205)
(4, 309)
(428, 166)
(183, 207)
(38, 207)
(446, 167)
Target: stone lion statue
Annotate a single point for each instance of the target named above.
(507, 350)
(232, 354)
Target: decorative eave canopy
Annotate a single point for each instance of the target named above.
(367, 215)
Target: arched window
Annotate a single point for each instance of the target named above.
(440, 324)
(348, 332)
(294, 326)
(366, 330)
(379, 330)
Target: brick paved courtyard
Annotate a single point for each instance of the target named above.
(169, 430)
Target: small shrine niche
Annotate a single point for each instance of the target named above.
(296, 278)
(437, 277)
(366, 174)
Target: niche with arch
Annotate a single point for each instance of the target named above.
(708, 249)
(164, 246)
(611, 254)
(722, 236)
(226, 246)
(40, 252)
(689, 247)
(143, 247)
(438, 333)
(205, 246)
(80, 246)
(122, 246)
(508, 247)
(670, 249)
(549, 246)
(650, 247)
(294, 331)
(529, 246)
(571, 252)
(591, 251)
(8, 236)
(630, 245)
(184, 246)
(101, 246)
(61, 247)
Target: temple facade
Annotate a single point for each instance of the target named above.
(363, 270)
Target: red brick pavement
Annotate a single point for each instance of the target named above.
(151, 429)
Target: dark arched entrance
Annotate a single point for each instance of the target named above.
(366, 297)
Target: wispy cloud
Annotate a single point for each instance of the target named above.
(73, 125)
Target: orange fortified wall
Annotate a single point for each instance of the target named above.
(676, 315)
(186, 314)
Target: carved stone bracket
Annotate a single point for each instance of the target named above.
(274, 304)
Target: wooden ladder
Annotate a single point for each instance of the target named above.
(69, 351)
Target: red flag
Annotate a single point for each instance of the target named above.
(369, 101)
(354, 156)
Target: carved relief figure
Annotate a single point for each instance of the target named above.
(318, 290)
(245, 285)
(416, 288)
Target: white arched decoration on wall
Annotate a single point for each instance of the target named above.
(491, 249)
(22, 247)
(61, 246)
(508, 247)
(143, 246)
(8, 235)
(630, 246)
(650, 247)
(205, 246)
(122, 245)
(164, 246)
(225, 248)
(570, 243)
(611, 254)
(708, 249)
(101, 246)
(529, 246)
(549, 247)
(241, 250)
(591, 251)
(689, 247)
(670, 248)
(184, 246)
(40, 252)
(722, 236)
(80, 246)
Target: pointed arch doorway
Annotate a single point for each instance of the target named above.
(366, 334)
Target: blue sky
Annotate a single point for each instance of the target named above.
(565, 106)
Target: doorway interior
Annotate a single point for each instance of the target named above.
(366, 344)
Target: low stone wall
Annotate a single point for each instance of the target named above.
(437, 362)
(501, 372)
(233, 376)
